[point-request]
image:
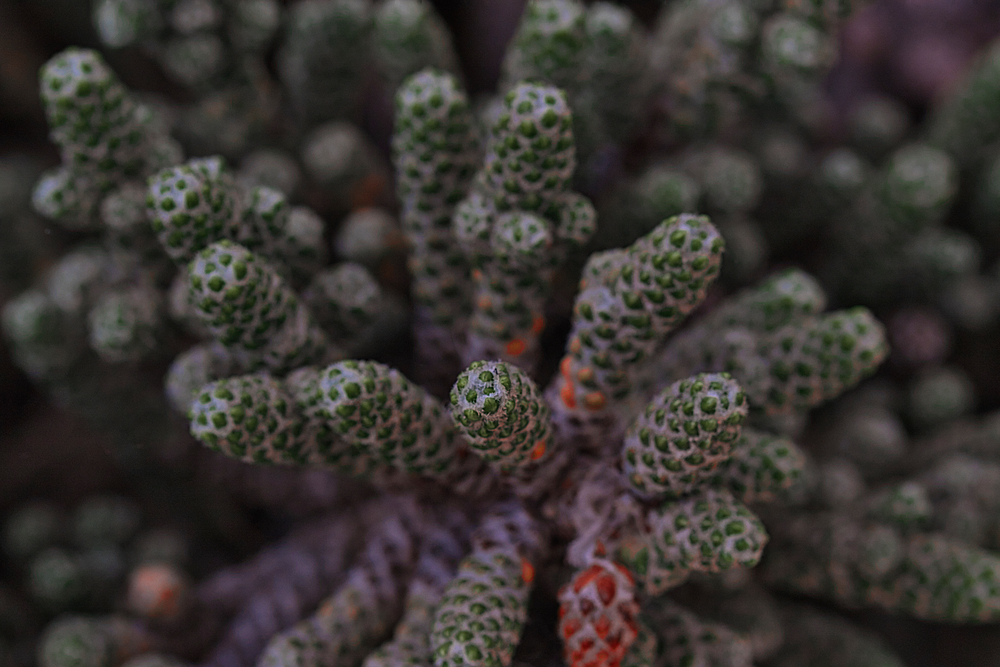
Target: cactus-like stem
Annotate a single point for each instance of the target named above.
(762, 467)
(683, 435)
(780, 300)
(500, 411)
(483, 610)
(549, 44)
(510, 298)
(928, 576)
(409, 36)
(435, 150)
(127, 325)
(325, 42)
(245, 304)
(194, 205)
(305, 568)
(442, 546)
(361, 612)
(800, 366)
(74, 85)
(346, 301)
(252, 418)
(530, 157)
(707, 532)
(622, 317)
(397, 422)
(104, 135)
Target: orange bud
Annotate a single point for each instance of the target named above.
(527, 572)
(157, 591)
(538, 451)
(515, 347)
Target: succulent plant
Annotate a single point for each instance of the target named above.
(655, 482)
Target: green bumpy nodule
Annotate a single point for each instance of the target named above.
(643, 651)
(708, 532)
(345, 299)
(906, 506)
(762, 467)
(238, 297)
(686, 639)
(66, 195)
(531, 155)
(126, 325)
(773, 303)
(472, 225)
(615, 59)
(482, 612)
(251, 418)
(684, 434)
(630, 304)
(343, 629)
(806, 363)
(435, 150)
(440, 550)
(358, 615)
(123, 22)
(409, 35)
(549, 44)
(577, 222)
(40, 334)
(522, 242)
(375, 407)
(927, 576)
(510, 299)
(265, 220)
(917, 187)
(501, 412)
(76, 641)
(670, 270)
(192, 206)
(123, 213)
(941, 580)
(321, 63)
(411, 645)
(92, 117)
(291, 235)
